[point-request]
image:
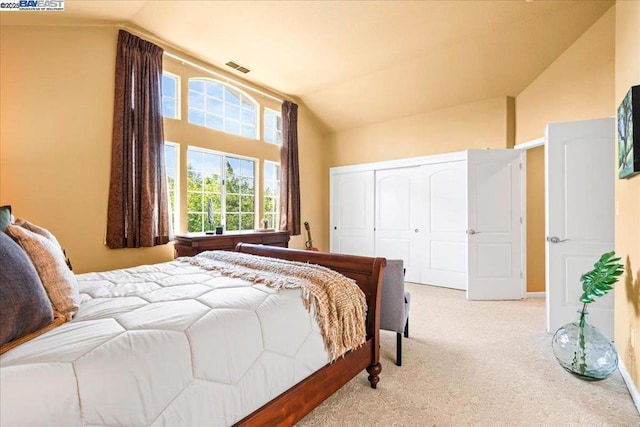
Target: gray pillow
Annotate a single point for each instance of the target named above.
(5, 216)
(24, 305)
(47, 257)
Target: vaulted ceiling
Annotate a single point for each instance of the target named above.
(358, 62)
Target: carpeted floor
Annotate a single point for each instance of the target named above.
(475, 363)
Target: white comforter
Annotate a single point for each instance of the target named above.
(165, 345)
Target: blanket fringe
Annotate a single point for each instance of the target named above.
(339, 305)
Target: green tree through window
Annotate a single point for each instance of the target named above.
(271, 181)
(231, 190)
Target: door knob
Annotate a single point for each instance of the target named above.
(472, 231)
(417, 230)
(555, 239)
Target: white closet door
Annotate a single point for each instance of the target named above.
(494, 225)
(352, 213)
(398, 218)
(445, 191)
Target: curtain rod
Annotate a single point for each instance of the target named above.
(164, 44)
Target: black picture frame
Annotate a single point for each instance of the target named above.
(629, 134)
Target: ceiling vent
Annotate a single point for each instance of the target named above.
(237, 67)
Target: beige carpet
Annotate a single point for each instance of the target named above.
(472, 363)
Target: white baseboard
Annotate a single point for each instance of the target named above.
(536, 294)
(633, 390)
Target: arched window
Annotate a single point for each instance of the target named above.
(222, 107)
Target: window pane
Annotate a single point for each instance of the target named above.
(218, 106)
(170, 156)
(196, 85)
(271, 191)
(247, 203)
(217, 205)
(268, 204)
(272, 127)
(231, 97)
(170, 96)
(248, 116)
(195, 160)
(232, 126)
(248, 131)
(247, 222)
(209, 184)
(247, 167)
(196, 100)
(233, 222)
(194, 181)
(214, 106)
(232, 112)
(211, 163)
(233, 166)
(168, 86)
(214, 122)
(194, 202)
(233, 203)
(169, 107)
(214, 89)
(194, 222)
(233, 185)
(196, 117)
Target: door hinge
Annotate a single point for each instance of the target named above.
(520, 165)
(520, 220)
(521, 274)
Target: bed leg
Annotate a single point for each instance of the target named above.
(374, 372)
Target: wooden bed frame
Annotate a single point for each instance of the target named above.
(299, 400)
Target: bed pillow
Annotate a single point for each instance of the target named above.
(5, 216)
(24, 305)
(47, 257)
(43, 232)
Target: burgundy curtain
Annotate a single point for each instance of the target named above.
(138, 209)
(290, 179)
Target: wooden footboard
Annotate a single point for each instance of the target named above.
(299, 400)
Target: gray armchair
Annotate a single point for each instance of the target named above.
(394, 304)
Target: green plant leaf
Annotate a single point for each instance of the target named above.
(597, 282)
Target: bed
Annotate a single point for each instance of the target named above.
(147, 347)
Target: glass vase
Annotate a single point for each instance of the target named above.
(583, 350)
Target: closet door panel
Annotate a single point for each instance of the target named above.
(445, 192)
(352, 213)
(398, 218)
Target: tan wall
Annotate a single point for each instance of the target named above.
(577, 86)
(627, 297)
(535, 220)
(478, 125)
(55, 142)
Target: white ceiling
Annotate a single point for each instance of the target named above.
(358, 62)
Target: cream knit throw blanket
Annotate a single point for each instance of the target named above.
(339, 304)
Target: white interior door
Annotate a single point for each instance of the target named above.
(398, 218)
(494, 221)
(352, 213)
(445, 192)
(579, 178)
